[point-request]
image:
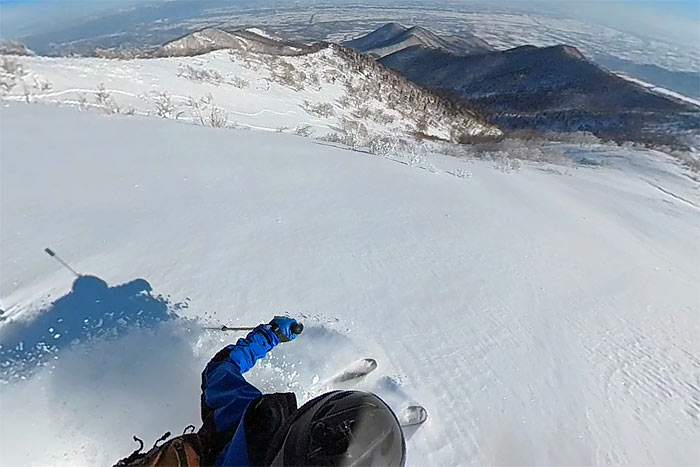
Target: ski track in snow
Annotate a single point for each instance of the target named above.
(541, 319)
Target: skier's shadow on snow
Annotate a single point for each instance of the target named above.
(91, 309)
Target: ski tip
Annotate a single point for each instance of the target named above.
(372, 363)
(357, 370)
(413, 415)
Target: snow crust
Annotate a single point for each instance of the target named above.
(548, 316)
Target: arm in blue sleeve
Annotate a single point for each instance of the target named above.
(225, 391)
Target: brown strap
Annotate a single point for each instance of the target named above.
(186, 454)
(176, 453)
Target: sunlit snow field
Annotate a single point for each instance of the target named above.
(546, 316)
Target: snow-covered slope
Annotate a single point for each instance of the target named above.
(332, 90)
(393, 37)
(544, 317)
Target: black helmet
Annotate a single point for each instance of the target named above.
(340, 428)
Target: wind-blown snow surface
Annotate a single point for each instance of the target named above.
(542, 317)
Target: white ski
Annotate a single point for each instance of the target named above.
(412, 415)
(356, 370)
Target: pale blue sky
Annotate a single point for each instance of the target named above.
(675, 20)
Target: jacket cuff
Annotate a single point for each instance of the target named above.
(269, 334)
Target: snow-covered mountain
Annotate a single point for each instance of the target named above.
(393, 37)
(249, 81)
(210, 39)
(546, 317)
(552, 89)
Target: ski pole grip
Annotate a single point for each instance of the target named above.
(296, 328)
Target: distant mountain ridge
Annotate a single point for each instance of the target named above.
(549, 89)
(210, 39)
(393, 37)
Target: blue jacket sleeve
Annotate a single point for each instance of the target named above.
(225, 391)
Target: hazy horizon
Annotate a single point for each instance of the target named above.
(677, 21)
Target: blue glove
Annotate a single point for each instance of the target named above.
(282, 326)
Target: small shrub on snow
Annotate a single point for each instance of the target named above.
(195, 107)
(344, 101)
(203, 113)
(321, 110)
(218, 117)
(342, 138)
(239, 82)
(11, 72)
(163, 104)
(12, 67)
(383, 118)
(42, 84)
(422, 125)
(460, 173)
(26, 92)
(529, 150)
(412, 153)
(285, 74)
(7, 82)
(384, 146)
(200, 75)
(507, 164)
(415, 155)
(314, 80)
(83, 102)
(354, 128)
(362, 113)
(104, 101)
(303, 130)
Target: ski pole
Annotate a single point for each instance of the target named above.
(296, 328)
(51, 253)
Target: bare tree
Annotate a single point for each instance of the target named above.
(163, 104)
